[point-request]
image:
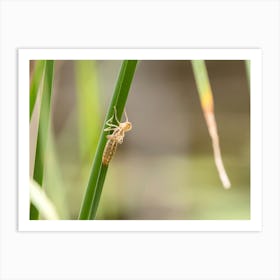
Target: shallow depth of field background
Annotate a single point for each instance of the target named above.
(165, 167)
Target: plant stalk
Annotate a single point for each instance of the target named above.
(98, 171)
(43, 130)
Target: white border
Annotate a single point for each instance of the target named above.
(254, 224)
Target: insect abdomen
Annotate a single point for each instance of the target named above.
(109, 151)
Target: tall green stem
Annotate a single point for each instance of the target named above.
(98, 171)
(35, 84)
(43, 130)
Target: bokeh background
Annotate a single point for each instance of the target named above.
(165, 168)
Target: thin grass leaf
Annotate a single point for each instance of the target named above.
(207, 104)
(35, 84)
(88, 107)
(98, 172)
(39, 198)
(43, 130)
(98, 191)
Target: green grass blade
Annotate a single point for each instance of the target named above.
(35, 84)
(39, 198)
(98, 171)
(88, 105)
(43, 129)
(207, 104)
(98, 191)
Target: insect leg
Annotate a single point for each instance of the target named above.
(126, 118)
(116, 115)
(109, 124)
(109, 121)
(109, 128)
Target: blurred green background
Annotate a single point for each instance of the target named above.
(165, 168)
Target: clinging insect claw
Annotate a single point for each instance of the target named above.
(116, 115)
(126, 118)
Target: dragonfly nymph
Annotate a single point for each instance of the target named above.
(117, 136)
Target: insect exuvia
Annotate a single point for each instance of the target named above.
(116, 137)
